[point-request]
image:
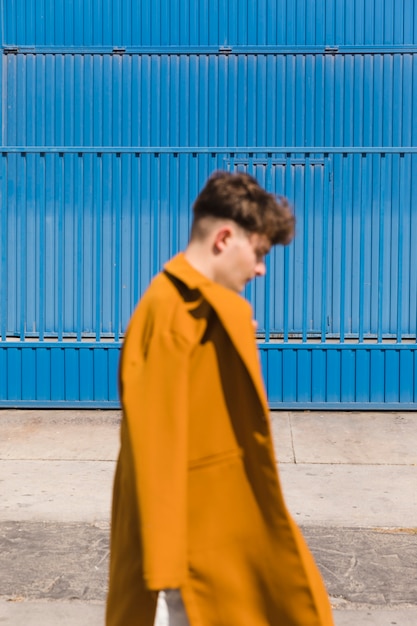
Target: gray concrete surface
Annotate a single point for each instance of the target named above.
(348, 478)
(341, 438)
(376, 617)
(342, 495)
(69, 561)
(377, 566)
(59, 435)
(60, 465)
(42, 613)
(347, 495)
(63, 491)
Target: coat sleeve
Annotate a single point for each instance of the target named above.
(155, 404)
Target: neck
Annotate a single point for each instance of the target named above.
(199, 258)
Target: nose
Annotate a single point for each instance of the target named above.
(260, 269)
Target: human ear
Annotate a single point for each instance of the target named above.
(221, 239)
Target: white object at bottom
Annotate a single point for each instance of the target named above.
(170, 610)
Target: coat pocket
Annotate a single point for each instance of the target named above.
(216, 459)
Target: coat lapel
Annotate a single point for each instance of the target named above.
(234, 312)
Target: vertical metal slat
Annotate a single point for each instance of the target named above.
(79, 245)
(327, 194)
(400, 209)
(98, 215)
(22, 243)
(306, 245)
(60, 244)
(4, 244)
(382, 165)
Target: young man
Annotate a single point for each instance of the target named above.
(198, 510)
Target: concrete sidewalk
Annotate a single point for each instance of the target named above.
(348, 478)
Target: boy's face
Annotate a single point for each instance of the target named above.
(241, 259)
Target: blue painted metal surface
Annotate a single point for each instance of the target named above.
(215, 22)
(201, 99)
(314, 376)
(89, 229)
(77, 257)
(112, 118)
(59, 374)
(356, 376)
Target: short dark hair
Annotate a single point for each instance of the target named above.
(239, 197)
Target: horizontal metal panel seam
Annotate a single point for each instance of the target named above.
(231, 150)
(61, 345)
(34, 341)
(211, 50)
(328, 346)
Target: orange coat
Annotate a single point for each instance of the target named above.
(197, 501)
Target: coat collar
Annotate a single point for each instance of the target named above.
(234, 312)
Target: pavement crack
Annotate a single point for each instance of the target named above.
(352, 566)
(294, 456)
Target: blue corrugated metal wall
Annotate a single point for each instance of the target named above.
(104, 150)
(78, 252)
(235, 99)
(210, 22)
